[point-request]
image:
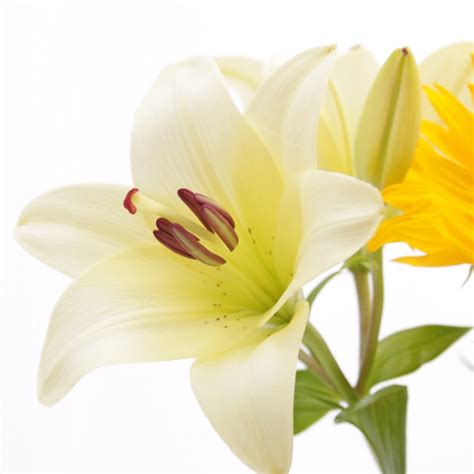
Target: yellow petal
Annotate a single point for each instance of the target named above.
(440, 259)
(286, 108)
(142, 305)
(71, 228)
(451, 67)
(389, 125)
(247, 394)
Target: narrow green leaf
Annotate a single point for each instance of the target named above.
(313, 399)
(405, 351)
(381, 418)
(315, 292)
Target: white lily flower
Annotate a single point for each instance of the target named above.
(207, 262)
(354, 114)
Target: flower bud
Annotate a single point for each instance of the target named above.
(389, 126)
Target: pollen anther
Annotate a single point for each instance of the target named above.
(214, 217)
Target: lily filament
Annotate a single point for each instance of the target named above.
(181, 241)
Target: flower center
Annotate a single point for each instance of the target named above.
(180, 240)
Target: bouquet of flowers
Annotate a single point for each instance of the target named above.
(249, 182)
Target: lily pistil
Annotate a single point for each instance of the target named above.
(180, 240)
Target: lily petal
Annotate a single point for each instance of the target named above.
(352, 76)
(452, 68)
(286, 108)
(247, 394)
(338, 215)
(141, 305)
(244, 76)
(71, 228)
(188, 133)
(349, 85)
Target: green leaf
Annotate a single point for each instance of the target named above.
(315, 292)
(313, 399)
(405, 351)
(381, 418)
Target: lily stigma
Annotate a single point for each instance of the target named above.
(207, 260)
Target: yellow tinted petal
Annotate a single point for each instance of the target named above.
(71, 228)
(247, 394)
(142, 305)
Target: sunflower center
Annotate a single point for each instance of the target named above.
(180, 240)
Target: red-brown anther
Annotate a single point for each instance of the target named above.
(128, 203)
(221, 226)
(188, 197)
(171, 243)
(191, 244)
(201, 199)
(164, 225)
(179, 240)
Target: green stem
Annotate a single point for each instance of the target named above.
(361, 279)
(373, 328)
(321, 352)
(314, 367)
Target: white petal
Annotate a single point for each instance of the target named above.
(141, 305)
(349, 84)
(340, 214)
(286, 108)
(189, 133)
(247, 395)
(244, 76)
(452, 68)
(352, 77)
(71, 228)
(337, 215)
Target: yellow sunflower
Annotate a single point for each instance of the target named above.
(437, 196)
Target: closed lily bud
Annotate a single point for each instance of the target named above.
(389, 126)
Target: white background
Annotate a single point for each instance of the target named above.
(74, 73)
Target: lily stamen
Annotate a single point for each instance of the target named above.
(177, 239)
(171, 243)
(189, 198)
(220, 225)
(191, 244)
(196, 202)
